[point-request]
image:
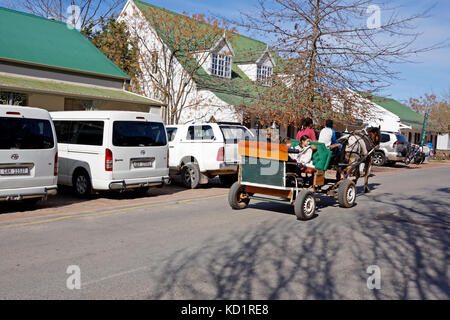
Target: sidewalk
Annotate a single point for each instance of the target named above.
(65, 203)
(398, 167)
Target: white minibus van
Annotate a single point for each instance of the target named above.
(111, 150)
(28, 154)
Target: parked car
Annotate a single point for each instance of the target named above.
(111, 150)
(28, 154)
(205, 150)
(393, 148)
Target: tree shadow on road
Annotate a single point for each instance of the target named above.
(327, 258)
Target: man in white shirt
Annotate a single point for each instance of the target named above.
(328, 137)
(327, 134)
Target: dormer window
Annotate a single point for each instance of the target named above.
(221, 65)
(263, 75)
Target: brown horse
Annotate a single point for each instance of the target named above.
(360, 145)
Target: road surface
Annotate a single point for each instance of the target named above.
(198, 248)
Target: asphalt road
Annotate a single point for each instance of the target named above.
(201, 249)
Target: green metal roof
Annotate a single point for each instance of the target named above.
(71, 90)
(246, 50)
(407, 115)
(31, 39)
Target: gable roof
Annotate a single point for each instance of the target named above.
(245, 50)
(29, 39)
(407, 115)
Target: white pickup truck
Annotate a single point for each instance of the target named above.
(204, 150)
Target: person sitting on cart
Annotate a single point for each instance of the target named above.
(328, 137)
(307, 129)
(301, 155)
(304, 157)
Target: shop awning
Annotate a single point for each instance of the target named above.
(28, 84)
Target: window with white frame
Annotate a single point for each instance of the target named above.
(221, 65)
(263, 74)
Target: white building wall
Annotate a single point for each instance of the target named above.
(200, 105)
(205, 60)
(443, 142)
(205, 105)
(370, 113)
(250, 70)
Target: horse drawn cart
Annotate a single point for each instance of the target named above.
(264, 175)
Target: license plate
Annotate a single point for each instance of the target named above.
(143, 164)
(15, 172)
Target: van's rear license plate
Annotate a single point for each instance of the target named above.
(14, 172)
(143, 164)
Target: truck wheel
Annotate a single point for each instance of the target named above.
(190, 175)
(228, 179)
(82, 184)
(347, 194)
(305, 205)
(237, 197)
(379, 159)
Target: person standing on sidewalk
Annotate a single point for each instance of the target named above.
(307, 130)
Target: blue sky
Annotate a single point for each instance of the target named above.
(430, 71)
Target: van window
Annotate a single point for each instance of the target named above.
(171, 132)
(80, 132)
(200, 133)
(232, 134)
(138, 134)
(19, 133)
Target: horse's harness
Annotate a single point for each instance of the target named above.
(360, 136)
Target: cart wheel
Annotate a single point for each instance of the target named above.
(347, 194)
(305, 205)
(237, 198)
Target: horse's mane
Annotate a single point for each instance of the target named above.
(373, 130)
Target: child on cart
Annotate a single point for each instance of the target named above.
(301, 154)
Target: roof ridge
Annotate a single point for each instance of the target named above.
(36, 20)
(32, 15)
(154, 6)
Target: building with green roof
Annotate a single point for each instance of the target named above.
(46, 64)
(412, 121)
(231, 75)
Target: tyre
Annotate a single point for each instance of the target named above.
(419, 159)
(228, 179)
(237, 197)
(347, 194)
(305, 205)
(82, 184)
(408, 160)
(190, 175)
(379, 159)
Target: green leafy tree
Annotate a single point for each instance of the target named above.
(114, 40)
